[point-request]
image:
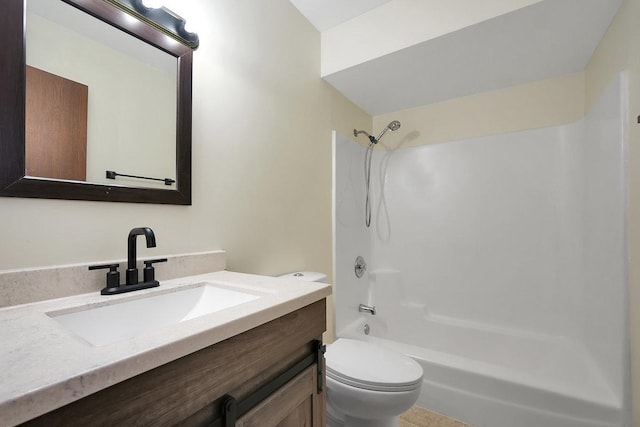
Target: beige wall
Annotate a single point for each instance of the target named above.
(537, 104)
(262, 122)
(619, 51)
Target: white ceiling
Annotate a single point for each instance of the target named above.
(324, 14)
(540, 41)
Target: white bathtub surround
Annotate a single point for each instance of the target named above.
(500, 264)
(71, 368)
(39, 284)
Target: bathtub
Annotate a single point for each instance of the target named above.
(492, 377)
(500, 264)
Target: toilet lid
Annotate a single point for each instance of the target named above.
(371, 367)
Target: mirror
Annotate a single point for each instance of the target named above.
(99, 102)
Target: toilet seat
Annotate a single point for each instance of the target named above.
(363, 365)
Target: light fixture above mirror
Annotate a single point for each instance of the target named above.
(155, 14)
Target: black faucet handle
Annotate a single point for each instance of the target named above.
(148, 273)
(150, 262)
(113, 275)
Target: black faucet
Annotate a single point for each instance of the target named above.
(132, 270)
(131, 282)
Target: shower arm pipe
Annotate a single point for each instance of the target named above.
(358, 132)
(372, 139)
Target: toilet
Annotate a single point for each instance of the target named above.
(367, 385)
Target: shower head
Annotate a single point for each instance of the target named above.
(393, 126)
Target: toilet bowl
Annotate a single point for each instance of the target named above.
(368, 385)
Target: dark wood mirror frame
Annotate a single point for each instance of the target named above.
(13, 182)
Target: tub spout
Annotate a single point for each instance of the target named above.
(367, 309)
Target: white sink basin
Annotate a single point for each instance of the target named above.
(110, 323)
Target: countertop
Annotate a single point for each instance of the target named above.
(43, 366)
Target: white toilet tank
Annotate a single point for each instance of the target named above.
(307, 276)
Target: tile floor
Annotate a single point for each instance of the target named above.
(419, 417)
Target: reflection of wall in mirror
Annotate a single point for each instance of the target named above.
(131, 109)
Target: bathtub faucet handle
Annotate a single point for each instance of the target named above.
(367, 309)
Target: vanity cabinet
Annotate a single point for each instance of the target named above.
(192, 390)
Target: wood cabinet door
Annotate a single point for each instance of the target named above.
(296, 404)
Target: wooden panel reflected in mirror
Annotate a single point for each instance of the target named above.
(18, 179)
(55, 126)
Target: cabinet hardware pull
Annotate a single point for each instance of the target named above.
(232, 409)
